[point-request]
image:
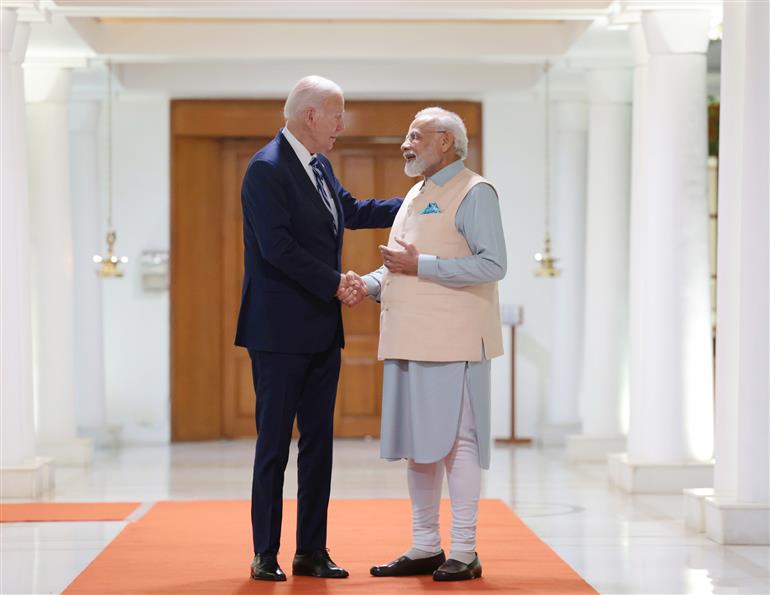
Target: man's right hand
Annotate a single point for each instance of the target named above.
(352, 289)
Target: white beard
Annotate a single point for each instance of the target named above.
(416, 166)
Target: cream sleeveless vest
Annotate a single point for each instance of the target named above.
(422, 320)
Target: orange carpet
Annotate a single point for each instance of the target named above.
(38, 512)
(205, 547)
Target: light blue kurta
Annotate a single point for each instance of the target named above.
(421, 401)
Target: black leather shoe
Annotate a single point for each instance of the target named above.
(407, 567)
(454, 570)
(317, 563)
(265, 567)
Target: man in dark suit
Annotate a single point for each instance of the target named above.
(294, 214)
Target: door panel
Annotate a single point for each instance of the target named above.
(195, 265)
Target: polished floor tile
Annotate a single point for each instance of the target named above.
(618, 543)
(45, 557)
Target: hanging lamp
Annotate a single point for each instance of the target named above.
(545, 259)
(110, 264)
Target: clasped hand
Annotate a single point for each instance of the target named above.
(401, 261)
(352, 289)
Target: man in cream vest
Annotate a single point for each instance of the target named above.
(439, 328)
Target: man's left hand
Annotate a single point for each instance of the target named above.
(401, 261)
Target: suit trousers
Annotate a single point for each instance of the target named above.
(287, 386)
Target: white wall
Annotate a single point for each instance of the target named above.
(136, 323)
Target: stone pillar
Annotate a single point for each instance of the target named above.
(22, 475)
(53, 298)
(639, 273)
(603, 383)
(671, 427)
(88, 240)
(569, 196)
(739, 511)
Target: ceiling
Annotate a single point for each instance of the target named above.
(373, 48)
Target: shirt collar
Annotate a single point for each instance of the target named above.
(302, 153)
(445, 174)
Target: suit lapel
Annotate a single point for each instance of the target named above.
(298, 172)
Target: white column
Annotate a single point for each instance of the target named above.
(569, 197)
(53, 314)
(739, 512)
(88, 240)
(639, 272)
(603, 383)
(22, 475)
(671, 428)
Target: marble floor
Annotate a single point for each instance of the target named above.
(618, 543)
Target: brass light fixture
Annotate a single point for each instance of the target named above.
(110, 263)
(545, 259)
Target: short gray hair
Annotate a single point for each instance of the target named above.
(309, 92)
(450, 122)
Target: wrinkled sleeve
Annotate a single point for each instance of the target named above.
(373, 282)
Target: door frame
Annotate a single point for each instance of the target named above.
(199, 128)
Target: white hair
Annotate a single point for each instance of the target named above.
(450, 122)
(309, 92)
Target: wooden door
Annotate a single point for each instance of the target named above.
(212, 142)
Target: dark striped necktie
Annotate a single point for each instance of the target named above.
(322, 190)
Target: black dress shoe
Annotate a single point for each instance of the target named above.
(407, 567)
(454, 570)
(317, 563)
(265, 567)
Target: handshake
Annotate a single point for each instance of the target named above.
(352, 289)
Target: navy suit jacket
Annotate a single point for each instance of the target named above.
(292, 257)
